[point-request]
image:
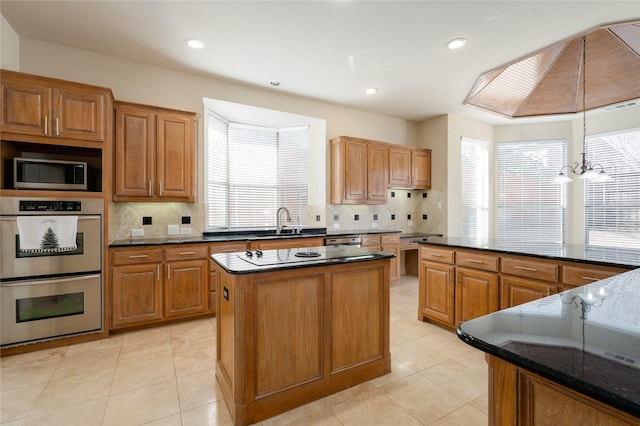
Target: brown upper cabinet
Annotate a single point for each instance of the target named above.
(409, 167)
(359, 171)
(36, 109)
(154, 153)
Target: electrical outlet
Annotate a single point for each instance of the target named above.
(410, 223)
(185, 231)
(374, 225)
(137, 232)
(173, 229)
(336, 226)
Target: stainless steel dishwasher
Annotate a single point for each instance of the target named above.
(351, 240)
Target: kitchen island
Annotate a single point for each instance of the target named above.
(568, 359)
(295, 325)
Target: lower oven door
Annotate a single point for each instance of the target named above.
(34, 310)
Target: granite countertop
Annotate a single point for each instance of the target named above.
(587, 339)
(271, 260)
(607, 256)
(248, 235)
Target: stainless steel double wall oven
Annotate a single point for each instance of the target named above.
(50, 294)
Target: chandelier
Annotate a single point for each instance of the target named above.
(585, 169)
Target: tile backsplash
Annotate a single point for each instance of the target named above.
(406, 211)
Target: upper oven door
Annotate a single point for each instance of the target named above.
(18, 264)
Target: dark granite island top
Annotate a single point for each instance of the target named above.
(586, 339)
(256, 261)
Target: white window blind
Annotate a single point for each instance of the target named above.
(612, 209)
(475, 189)
(530, 207)
(252, 171)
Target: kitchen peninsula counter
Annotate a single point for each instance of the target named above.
(606, 256)
(571, 358)
(295, 325)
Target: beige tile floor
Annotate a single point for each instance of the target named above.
(166, 376)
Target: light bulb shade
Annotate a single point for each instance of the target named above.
(602, 177)
(562, 178)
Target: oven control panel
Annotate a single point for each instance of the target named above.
(50, 206)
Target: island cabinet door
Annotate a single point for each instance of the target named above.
(289, 332)
(358, 314)
(436, 292)
(476, 294)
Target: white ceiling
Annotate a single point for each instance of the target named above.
(327, 50)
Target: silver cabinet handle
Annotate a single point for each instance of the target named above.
(46, 125)
(229, 250)
(590, 278)
(160, 187)
(158, 269)
(548, 291)
(187, 253)
(168, 271)
(473, 260)
(150, 187)
(138, 256)
(435, 255)
(57, 127)
(524, 268)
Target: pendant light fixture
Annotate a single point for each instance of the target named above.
(584, 170)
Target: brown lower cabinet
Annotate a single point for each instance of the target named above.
(389, 243)
(457, 285)
(520, 397)
(155, 284)
(476, 293)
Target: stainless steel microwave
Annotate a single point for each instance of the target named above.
(35, 173)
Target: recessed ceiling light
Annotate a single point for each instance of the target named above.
(371, 91)
(194, 43)
(456, 43)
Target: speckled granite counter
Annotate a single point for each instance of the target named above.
(572, 252)
(587, 339)
(248, 235)
(270, 260)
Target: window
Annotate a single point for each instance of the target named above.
(612, 209)
(530, 207)
(252, 171)
(475, 189)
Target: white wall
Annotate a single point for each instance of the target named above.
(9, 46)
(142, 83)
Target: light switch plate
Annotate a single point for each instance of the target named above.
(185, 231)
(173, 229)
(137, 232)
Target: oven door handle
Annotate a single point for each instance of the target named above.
(37, 280)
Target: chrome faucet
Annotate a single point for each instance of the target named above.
(279, 227)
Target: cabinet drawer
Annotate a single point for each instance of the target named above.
(476, 260)
(436, 254)
(370, 240)
(189, 252)
(530, 269)
(228, 247)
(390, 239)
(406, 244)
(128, 257)
(587, 274)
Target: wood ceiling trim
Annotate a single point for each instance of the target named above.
(549, 81)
